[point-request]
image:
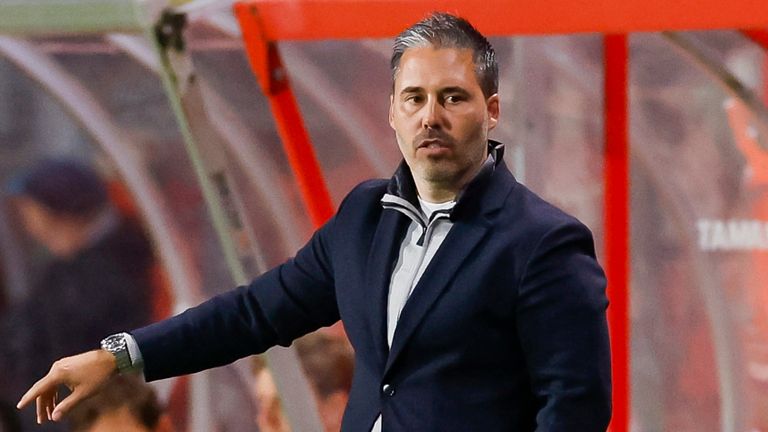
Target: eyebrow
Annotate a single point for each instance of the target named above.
(459, 90)
(417, 89)
(411, 89)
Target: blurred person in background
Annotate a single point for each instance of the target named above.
(269, 407)
(328, 362)
(98, 274)
(126, 404)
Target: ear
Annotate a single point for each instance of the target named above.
(493, 110)
(391, 111)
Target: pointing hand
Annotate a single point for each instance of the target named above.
(83, 374)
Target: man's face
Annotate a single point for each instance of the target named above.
(35, 218)
(54, 231)
(440, 116)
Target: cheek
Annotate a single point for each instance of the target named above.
(402, 145)
(475, 128)
(406, 116)
(399, 123)
(403, 135)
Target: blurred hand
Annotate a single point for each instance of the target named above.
(83, 374)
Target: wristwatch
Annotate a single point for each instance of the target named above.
(117, 345)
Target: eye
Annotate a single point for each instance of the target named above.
(454, 99)
(413, 98)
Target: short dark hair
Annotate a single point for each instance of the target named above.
(65, 186)
(121, 391)
(443, 30)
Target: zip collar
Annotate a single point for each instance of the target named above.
(402, 195)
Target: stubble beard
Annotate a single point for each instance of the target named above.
(445, 172)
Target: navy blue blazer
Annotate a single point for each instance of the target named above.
(505, 331)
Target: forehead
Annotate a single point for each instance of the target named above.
(429, 67)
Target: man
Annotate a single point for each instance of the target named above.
(96, 277)
(125, 404)
(470, 302)
(96, 259)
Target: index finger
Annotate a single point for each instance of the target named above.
(43, 385)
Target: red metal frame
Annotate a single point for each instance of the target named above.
(268, 67)
(760, 37)
(616, 220)
(264, 22)
(337, 19)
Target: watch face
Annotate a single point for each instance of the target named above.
(113, 343)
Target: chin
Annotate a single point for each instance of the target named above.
(440, 176)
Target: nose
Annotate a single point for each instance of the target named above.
(432, 115)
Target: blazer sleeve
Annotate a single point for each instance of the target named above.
(563, 331)
(281, 305)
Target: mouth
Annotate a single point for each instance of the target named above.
(432, 143)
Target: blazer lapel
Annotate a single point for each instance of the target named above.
(380, 263)
(461, 241)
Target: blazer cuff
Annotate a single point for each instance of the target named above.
(137, 360)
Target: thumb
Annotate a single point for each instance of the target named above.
(66, 404)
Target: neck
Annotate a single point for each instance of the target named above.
(435, 193)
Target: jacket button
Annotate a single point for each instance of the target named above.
(388, 390)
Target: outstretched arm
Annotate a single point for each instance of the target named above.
(83, 374)
(279, 306)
